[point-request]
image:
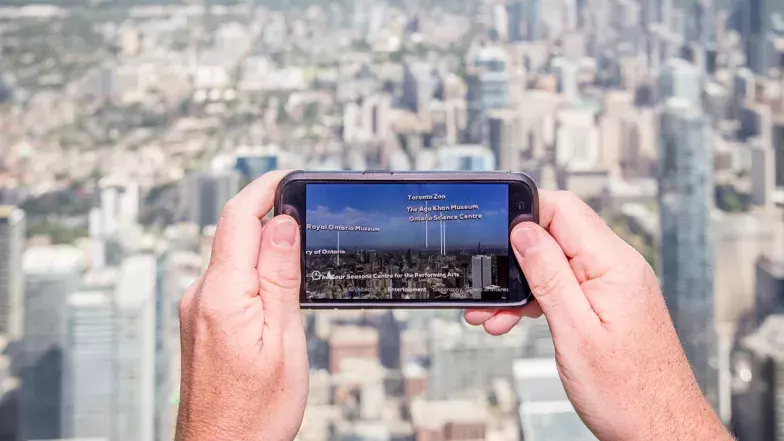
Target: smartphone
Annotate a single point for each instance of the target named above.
(384, 239)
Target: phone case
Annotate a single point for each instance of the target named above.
(403, 176)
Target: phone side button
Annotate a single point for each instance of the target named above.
(377, 172)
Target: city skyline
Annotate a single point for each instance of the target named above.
(385, 207)
(125, 127)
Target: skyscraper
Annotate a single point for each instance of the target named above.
(686, 200)
(488, 88)
(515, 11)
(12, 236)
(52, 274)
(419, 86)
(756, 30)
(769, 290)
(135, 297)
(481, 274)
(758, 397)
(465, 158)
(505, 138)
(680, 79)
(524, 20)
(565, 72)
(208, 192)
(90, 380)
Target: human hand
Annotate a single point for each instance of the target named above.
(617, 352)
(244, 357)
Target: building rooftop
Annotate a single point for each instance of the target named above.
(10, 213)
(88, 299)
(768, 340)
(136, 284)
(435, 414)
(52, 259)
(773, 266)
(353, 335)
(100, 278)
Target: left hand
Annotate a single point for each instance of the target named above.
(244, 357)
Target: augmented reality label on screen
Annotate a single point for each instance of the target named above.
(426, 242)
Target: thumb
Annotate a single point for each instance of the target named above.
(551, 279)
(279, 271)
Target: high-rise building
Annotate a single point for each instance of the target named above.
(577, 140)
(763, 172)
(12, 237)
(505, 127)
(565, 72)
(488, 88)
(465, 360)
(481, 274)
(52, 274)
(90, 381)
(119, 203)
(515, 11)
(533, 20)
(465, 158)
(769, 290)
(757, 28)
(135, 308)
(9, 394)
(524, 20)
(680, 79)
(254, 162)
(545, 410)
(207, 193)
(686, 200)
(758, 395)
(419, 86)
(778, 146)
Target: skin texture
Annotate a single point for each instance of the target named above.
(617, 352)
(244, 358)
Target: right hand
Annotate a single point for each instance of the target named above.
(617, 352)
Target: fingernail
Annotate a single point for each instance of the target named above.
(284, 235)
(525, 239)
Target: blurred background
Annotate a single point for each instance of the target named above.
(125, 125)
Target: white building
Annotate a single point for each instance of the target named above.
(135, 297)
(577, 140)
(545, 410)
(12, 237)
(90, 381)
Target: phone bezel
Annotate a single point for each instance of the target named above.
(301, 178)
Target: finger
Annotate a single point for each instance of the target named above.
(236, 243)
(582, 235)
(279, 271)
(503, 321)
(476, 317)
(551, 279)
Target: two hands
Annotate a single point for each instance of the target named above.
(244, 358)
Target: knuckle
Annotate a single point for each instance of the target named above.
(548, 285)
(229, 208)
(281, 276)
(570, 198)
(184, 308)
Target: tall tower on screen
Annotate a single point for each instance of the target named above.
(686, 200)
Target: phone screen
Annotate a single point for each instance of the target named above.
(408, 241)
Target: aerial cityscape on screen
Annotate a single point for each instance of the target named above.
(407, 241)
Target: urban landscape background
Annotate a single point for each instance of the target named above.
(126, 125)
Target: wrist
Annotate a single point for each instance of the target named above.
(692, 420)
